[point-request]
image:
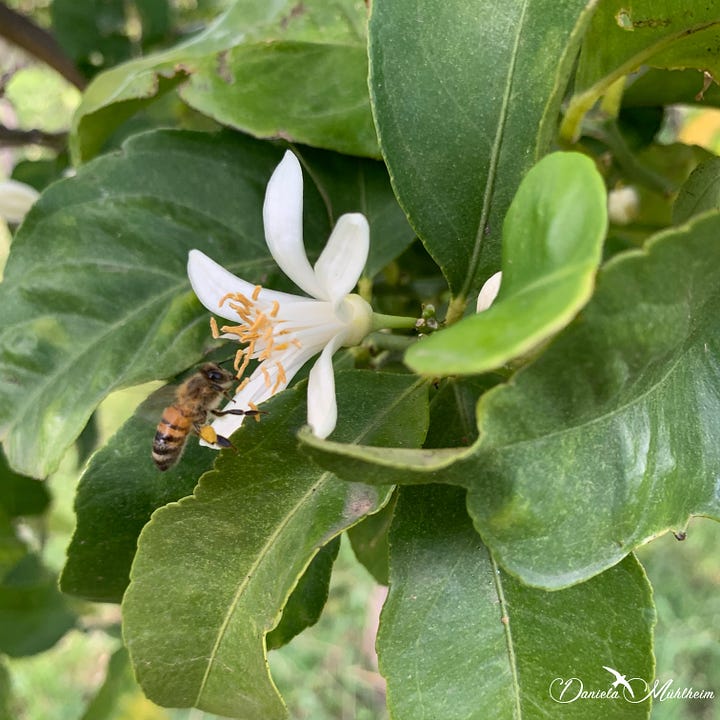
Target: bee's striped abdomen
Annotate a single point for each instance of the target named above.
(170, 437)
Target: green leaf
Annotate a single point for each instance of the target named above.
(623, 37)
(21, 495)
(459, 638)
(608, 438)
(657, 88)
(700, 193)
(305, 605)
(552, 244)
(95, 295)
(465, 100)
(116, 496)
(369, 541)
(33, 613)
(273, 70)
(102, 33)
(232, 553)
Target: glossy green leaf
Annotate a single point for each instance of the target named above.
(656, 88)
(21, 495)
(623, 36)
(700, 193)
(551, 247)
(608, 438)
(485, 646)
(465, 99)
(101, 33)
(270, 69)
(306, 603)
(116, 495)
(369, 541)
(34, 615)
(213, 572)
(95, 295)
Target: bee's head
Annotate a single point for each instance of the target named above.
(218, 378)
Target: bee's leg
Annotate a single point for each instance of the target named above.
(219, 413)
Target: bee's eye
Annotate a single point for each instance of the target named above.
(214, 376)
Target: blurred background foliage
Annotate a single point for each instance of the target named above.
(85, 673)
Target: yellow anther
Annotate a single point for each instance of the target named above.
(266, 375)
(275, 308)
(254, 407)
(256, 292)
(242, 385)
(214, 328)
(281, 379)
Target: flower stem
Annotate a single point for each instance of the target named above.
(394, 322)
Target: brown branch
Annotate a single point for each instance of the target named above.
(17, 138)
(38, 42)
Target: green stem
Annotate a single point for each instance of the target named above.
(386, 341)
(392, 322)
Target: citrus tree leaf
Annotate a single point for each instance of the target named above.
(97, 33)
(257, 69)
(369, 541)
(308, 599)
(117, 494)
(700, 193)
(95, 295)
(510, 643)
(622, 37)
(21, 495)
(34, 615)
(608, 438)
(551, 247)
(465, 99)
(232, 553)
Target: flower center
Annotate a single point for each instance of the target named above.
(356, 314)
(260, 332)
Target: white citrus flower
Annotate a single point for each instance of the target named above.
(281, 330)
(16, 199)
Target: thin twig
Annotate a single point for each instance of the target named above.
(10, 137)
(24, 33)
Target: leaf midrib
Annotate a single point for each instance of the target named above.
(265, 550)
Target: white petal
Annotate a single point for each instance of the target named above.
(16, 199)
(282, 216)
(211, 282)
(343, 259)
(257, 390)
(489, 292)
(322, 405)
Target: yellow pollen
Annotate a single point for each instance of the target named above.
(275, 309)
(280, 347)
(214, 328)
(266, 375)
(281, 379)
(242, 385)
(254, 407)
(256, 292)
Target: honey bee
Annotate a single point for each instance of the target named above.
(195, 399)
